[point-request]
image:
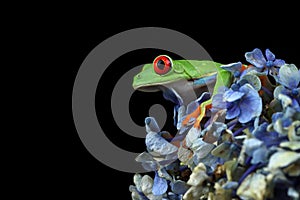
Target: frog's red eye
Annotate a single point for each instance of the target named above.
(162, 64)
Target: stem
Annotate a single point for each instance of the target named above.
(248, 160)
(237, 132)
(266, 90)
(207, 123)
(231, 127)
(177, 138)
(249, 171)
(232, 122)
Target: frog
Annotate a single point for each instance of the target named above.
(184, 79)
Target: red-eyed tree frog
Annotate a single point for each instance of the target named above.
(185, 79)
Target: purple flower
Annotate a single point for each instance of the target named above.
(257, 59)
(242, 102)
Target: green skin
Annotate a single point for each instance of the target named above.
(190, 70)
(183, 75)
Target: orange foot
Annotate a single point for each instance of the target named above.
(198, 114)
(194, 115)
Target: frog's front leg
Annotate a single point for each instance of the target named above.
(198, 114)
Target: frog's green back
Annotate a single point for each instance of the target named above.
(205, 68)
(199, 68)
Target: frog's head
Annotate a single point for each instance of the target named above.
(161, 72)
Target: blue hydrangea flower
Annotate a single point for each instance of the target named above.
(283, 122)
(242, 102)
(256, 150)
(269, 138)
(289, 78)
(262, 63)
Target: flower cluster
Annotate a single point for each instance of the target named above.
(247, 148)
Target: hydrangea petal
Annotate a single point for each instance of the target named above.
(230, 185)
(285, 100)
(283, 159)
(279, 90)
(151, 125)
(253, 70)
(260, 130)
(256, 58)
(232, 95)
(191, 107)
(279, 62)
(179, 187)
(191, 136)
(198, 175)
(251, 145)
(293, 145)
(213, 132)
(217, 102)
(222, 150)
(295, 103)
(146, 184)
(249, 190)
(160, 185)
(143, 157)
(137, 178)
(253, 80)
(232, 67)
(269, 55)
(201, 148)
(158, 144)
(251, 105)
(211, 162)
(233, 112)
(294, 131)
(150, 165)
(259, 155)
(289, 76)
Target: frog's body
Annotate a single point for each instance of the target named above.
(183, 77)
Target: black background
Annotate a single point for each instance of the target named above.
(74, 171)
